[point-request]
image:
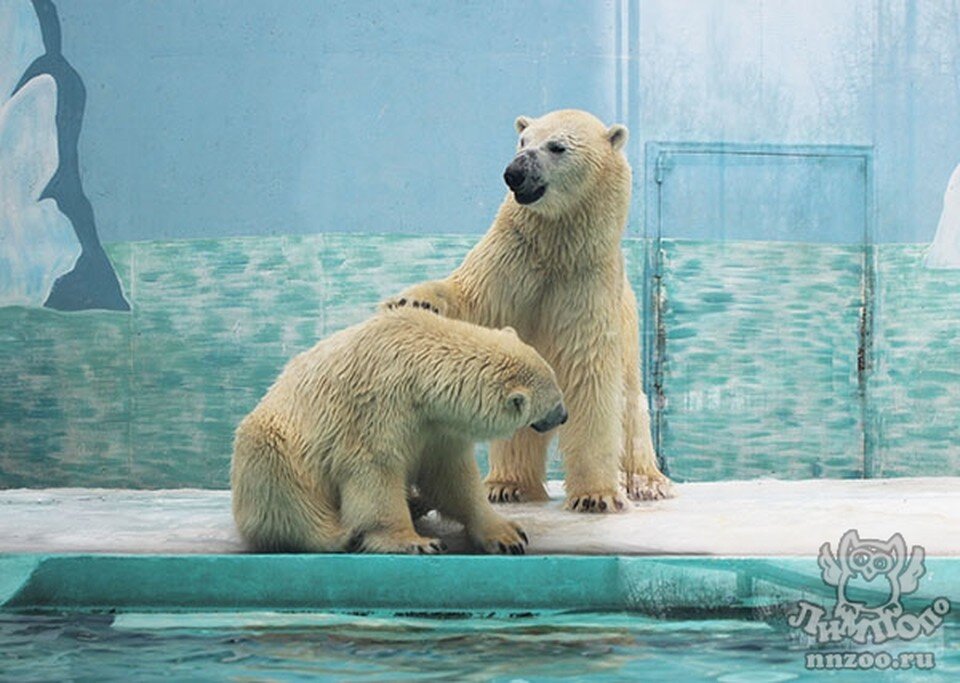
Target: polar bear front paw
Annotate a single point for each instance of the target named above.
(501, 536)
(606, 501)
(403, 544)
(512, 492)
(649, 487)
(434, 295)
(401, 302)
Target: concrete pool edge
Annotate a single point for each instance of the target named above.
(651, 584)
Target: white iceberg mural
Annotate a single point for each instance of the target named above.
(50, 253)
(944, 252)
(37, 242)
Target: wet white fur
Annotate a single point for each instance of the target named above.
(328, 455)
(554, 271)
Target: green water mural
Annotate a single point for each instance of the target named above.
(151, 399)
(915, 387)
(759, 373)
(759, 359)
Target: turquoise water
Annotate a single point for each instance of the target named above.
(385, 646)
(759, 367)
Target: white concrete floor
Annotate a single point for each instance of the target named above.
(740, 518)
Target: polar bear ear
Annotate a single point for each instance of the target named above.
(521, 123)
(518, 399)
(617, 134)
(509, 330)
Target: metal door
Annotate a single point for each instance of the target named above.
(758, 327)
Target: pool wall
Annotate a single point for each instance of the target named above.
(656, 585)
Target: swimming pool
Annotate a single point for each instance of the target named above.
(406, 645)
(344, 646)
(80, 617)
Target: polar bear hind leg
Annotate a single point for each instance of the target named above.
(274, 508)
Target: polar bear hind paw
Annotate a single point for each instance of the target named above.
(402, 544)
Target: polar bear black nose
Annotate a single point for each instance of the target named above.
(514, 176)
(554, 418)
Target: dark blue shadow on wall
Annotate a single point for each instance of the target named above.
(92, 283)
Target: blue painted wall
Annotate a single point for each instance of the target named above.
(222, 118)
(242, 118)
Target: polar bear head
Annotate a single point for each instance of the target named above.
(563, 157)
(532, 394)
(502, 385)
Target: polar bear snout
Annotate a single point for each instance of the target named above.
(516, 174)
(524, 179)
(556, 417)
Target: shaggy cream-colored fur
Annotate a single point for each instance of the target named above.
(325, 461)
(551, 267)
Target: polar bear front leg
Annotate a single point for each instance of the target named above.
(642, 478)
(518, 468)
(451, 481)
(590, 442)
(373, 506)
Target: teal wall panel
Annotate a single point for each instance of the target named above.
(151, 399)
(761, 353)
(758, 360)
(914, 391)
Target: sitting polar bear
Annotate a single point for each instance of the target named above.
(325, 461)
(551, 267)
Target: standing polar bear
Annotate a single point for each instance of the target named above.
(325, 461)
(551, 267)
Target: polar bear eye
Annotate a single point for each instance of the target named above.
(556, 148)
(523, 143)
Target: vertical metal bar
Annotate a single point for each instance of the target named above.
(865, 350)
(659, 327)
